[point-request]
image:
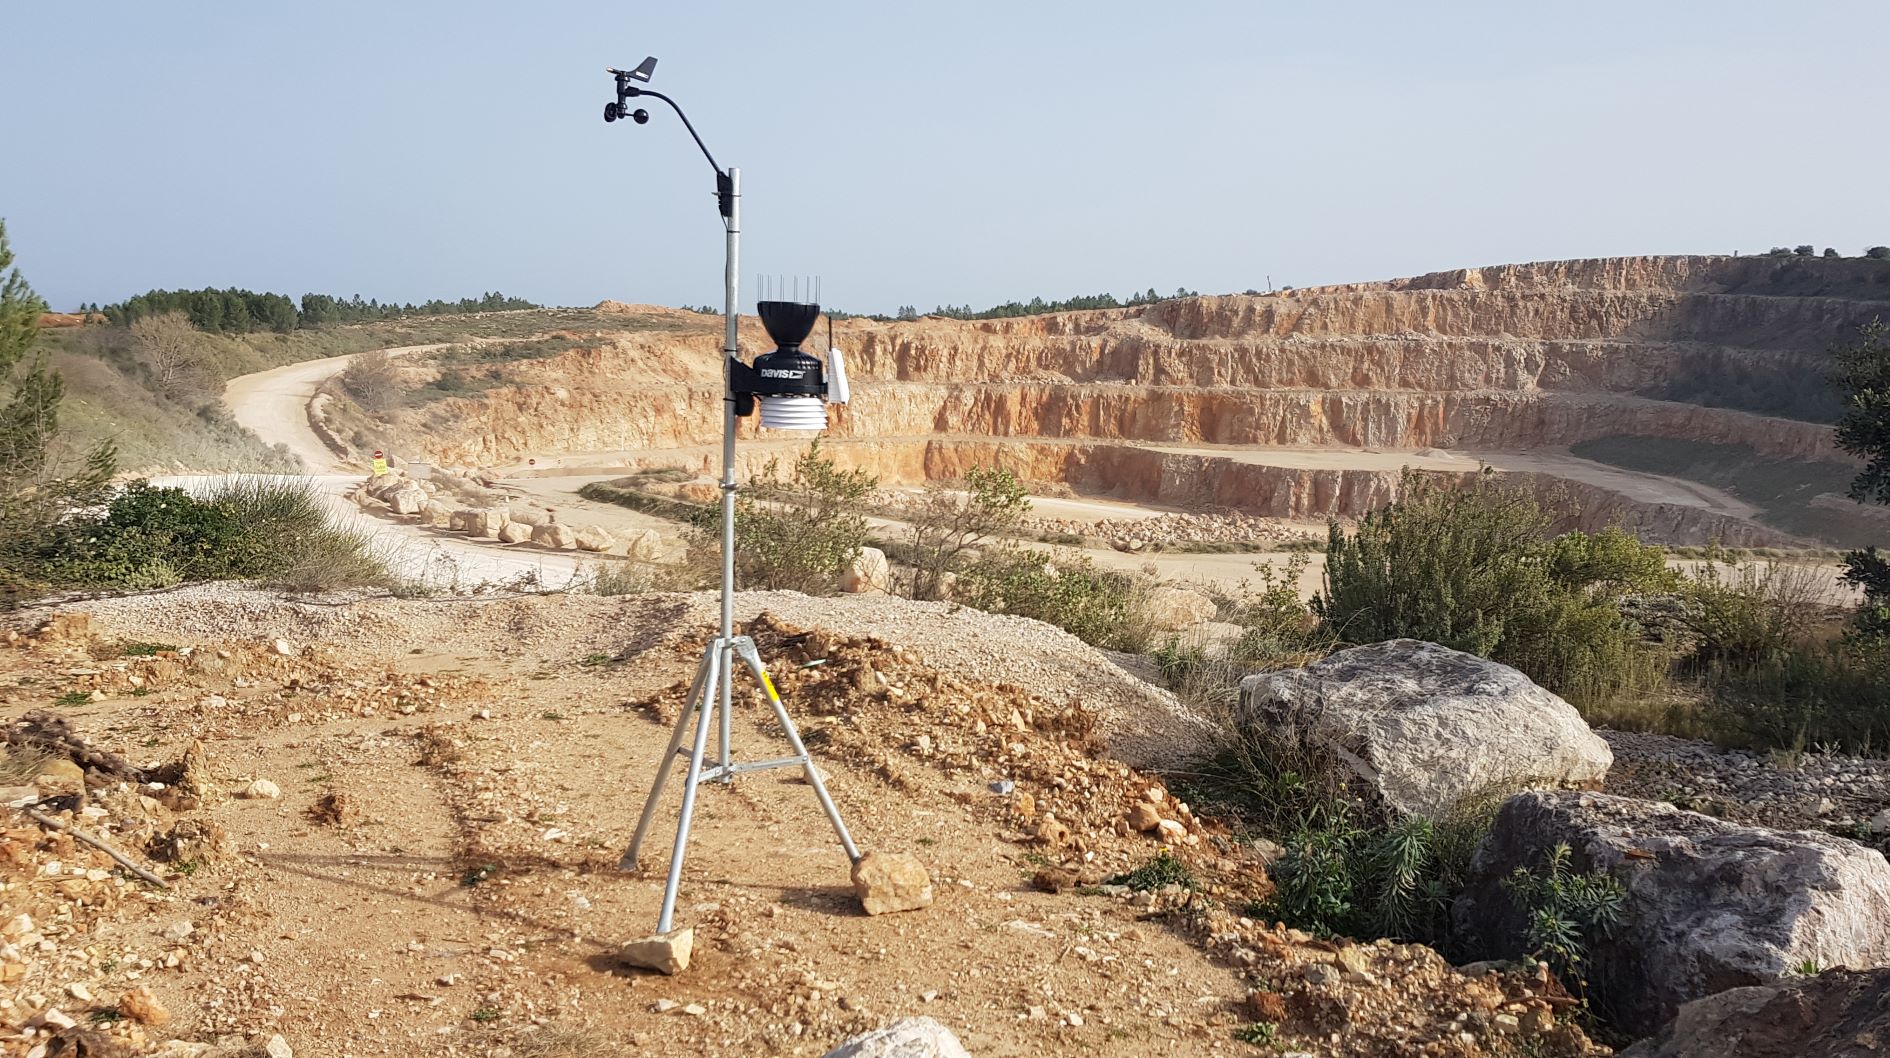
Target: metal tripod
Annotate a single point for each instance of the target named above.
(711, 697)
(716, 673)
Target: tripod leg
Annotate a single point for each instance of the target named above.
(728, 712)
(753, 658)
(690, 784)
(668, 763)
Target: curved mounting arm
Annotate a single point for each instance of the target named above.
(627, 91)
(724, 180)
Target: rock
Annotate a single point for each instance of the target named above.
(410, 498)
(142, 1007)
(905, 1038)
(438, 515)
(593, 539)
(1421, 727)
(641, 543)
(666, 953)
(262, 790)
(1710, 905)
(554, 535)
(1832, 1015)
(1179, 608)
(277, 1047)
(869, 572)
(284, 648)
(1171, 831)
(514, 533)
(479, 521)
(1053, 879)
(1320, 974)
(58, 775)
(1144, 817)
(891, 881)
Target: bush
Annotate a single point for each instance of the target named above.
(1475, 570)
(373, 380)
(1101, 607)
(251, 528)
(1805, 250)
(1878, 253)
(1777, 667)
(1564, 911)
(1339, 876)
(798, 533)
(954, 518)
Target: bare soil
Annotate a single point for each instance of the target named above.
(458, 779)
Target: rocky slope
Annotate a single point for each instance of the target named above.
(1501, 359)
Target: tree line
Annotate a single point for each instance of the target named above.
(235, 311)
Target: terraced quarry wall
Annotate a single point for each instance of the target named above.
(1504, 359)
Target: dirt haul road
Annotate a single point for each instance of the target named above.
(274, 405)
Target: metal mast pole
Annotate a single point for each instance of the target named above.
(730, 350)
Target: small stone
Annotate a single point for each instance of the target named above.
(891, 881)
(1144, 817)
(695, 1010)
(79, 992)
(664, 1006)
(277, 1047)
(1320, 974)
(283, 648)
(1170, 830)
(53, 1017)
(666, 953)
(1155, 795)
(262, 790)
(142, 1007)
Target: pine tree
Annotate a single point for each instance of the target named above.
(36, 488)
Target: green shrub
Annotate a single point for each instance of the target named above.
(1474, 569)
(1160, 872)
(800, 531)
(249, 528)
(954, 518)
(1564, 912)
(1341, 875)
(1101, 607)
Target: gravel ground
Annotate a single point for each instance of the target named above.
(1849, 796)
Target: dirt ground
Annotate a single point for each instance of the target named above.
(458, 778)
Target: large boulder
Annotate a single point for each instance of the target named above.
(645, 544)
(905, 1038)
(1710, 905)
(1422, 728)
(595, 539)
(869, 572)
(1837, 1014)
(552, 534)
(479, 521)
(1178, 608)
(514, 533)
(408, 499)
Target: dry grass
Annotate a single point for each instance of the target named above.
(18, 764)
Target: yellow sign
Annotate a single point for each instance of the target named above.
(380, 465)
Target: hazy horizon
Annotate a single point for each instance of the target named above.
(979, 154)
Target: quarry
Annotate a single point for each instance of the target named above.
(384, 817)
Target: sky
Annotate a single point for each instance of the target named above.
(923, 153)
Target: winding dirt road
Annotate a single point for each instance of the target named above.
(274, 405)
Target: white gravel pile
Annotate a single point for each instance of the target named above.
(1145, 725)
